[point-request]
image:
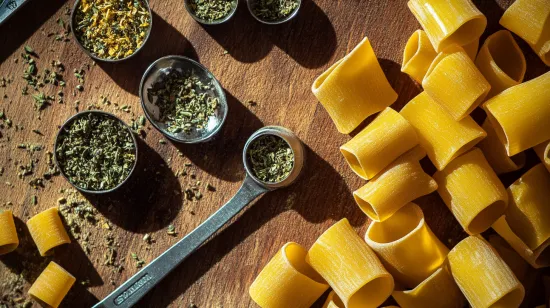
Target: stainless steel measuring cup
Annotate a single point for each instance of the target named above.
(130, 292)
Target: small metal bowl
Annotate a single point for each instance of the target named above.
(252, 3)
(215, 22)
(158, 70)
(293, 142)
(94, 56)
(69, 121)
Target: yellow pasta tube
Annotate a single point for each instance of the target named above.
(471, 49)
(529, 20)
(483, 276)
(438, 133)
(495, 152)
(449, 22)
(536, 258)
(398, 184)
(529, 207)
(520, 114)
(52, 285)
(454, 82)
(407, 246)
(8, 234)
(472, 191)
(333, 301)
(380, 143)
(47, 231)
(514, 260)
(354, 88)
(439, 290)
(287, 281)
(501, 61)
(418, 55)
(543, 152)
(350, 267)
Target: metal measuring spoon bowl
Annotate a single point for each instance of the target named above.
(69, 122)
(252, 4)
(98, 58)
(235, 4)
(131, 291)
(295, 145)
(156, 73)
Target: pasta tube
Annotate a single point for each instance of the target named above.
(529, 20)
(495, 152)
(439, 290)
(52, 285)
(529, 206)
(47, 231)
(449, 22)
(454, 82)
(483, 276)
(333, 301)
(471, 49)
(354, 88)
(8, 234)
(520, 114)
(442, 137)
(350, 267)
(380, 143)
(407, 246)
(536, 258)
(501, 61)
(287, 281)
(418, 55)
(472, 191)
(543, 152)
(400, 183)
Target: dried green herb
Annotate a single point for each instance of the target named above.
(212, 10)
(29, 50)
(185, 102)
(96, 152)
(171, 230)
(273, 10)
(112, 29)
(271, 158)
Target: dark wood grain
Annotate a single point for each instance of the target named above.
(273, 66)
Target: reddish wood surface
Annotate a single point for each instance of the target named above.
(273, 66)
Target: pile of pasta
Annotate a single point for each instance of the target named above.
(47, 232)
(400, 256)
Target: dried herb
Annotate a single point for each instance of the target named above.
(185, 102)
(271, 158)
(171, 230)
(112, 29)
(273, 10)
(96, 152)
(212, 10)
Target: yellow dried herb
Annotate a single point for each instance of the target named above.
(112, 29)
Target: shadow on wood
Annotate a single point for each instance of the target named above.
(164, 40)
(301, 197)
(222, 156)
(149, 201)
(24, 23)
(309, 38)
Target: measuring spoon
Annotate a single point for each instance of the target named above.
(130, 292)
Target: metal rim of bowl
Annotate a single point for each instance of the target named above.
(276, 22)
(95, 57)
(153, 121)
(215, 22)
(103, 113)
(271, 131)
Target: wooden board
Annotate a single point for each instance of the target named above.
(273, 66)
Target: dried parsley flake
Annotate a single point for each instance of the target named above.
(271, 158)
(96, 152)
(184, 101)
